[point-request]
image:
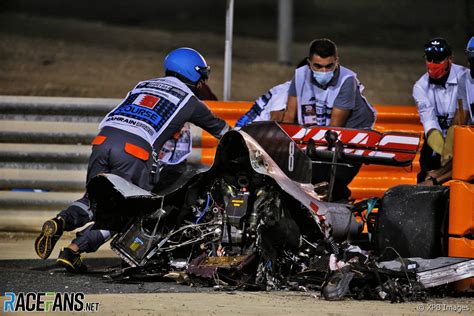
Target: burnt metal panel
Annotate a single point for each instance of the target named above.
(282, 149)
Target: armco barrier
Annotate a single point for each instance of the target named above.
(45, 144)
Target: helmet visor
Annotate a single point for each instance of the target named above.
(203, 71)
(470, 53)
(470, 48)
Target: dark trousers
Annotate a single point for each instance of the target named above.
(429, 160)
(77, 215)
(344, 176)
(108, 157)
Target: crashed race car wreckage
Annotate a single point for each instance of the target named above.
(254, 221)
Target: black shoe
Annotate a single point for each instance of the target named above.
(71, 260)
(50, 234)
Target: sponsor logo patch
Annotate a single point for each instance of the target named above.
(146, 100)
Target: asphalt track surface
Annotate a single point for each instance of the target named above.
(22, 271)
(35, 275)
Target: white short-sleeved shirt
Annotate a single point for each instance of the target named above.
(437, 104)
(466, 93)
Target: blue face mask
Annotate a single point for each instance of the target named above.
(323, 78)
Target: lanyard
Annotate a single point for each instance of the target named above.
(439, 104)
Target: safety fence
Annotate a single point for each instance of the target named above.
(45, 145)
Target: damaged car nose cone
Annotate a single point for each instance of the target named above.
(254, 221)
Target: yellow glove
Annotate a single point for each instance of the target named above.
(447, 153)
(436, 141)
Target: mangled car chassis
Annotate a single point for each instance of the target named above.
(253, 220)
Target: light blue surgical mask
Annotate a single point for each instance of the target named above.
(323, 78)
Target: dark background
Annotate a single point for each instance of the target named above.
(66, 48)
(389, 23)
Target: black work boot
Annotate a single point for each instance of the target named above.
(71, 260)
(50, 234)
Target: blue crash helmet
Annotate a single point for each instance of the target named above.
(470, 48)
(187, 65)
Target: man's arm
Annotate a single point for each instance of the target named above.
(344, 103)
(429, 120)
(205, 119)
(339, 117)
(291, 109)
(289, 116)
(426, 110)
(277, 115)
(249, 116)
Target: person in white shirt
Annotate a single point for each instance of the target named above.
(265, 107)
(436, 96)
(466, 91)
(271, 105)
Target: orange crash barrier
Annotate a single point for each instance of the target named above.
(461, 206)
(463, 166)
(460, 247)
(372, 180)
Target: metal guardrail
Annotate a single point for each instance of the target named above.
(43, 155)
(45, 146)
(44, 151)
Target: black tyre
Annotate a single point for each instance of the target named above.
(413, 220)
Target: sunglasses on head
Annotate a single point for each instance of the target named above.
(435, 49)
(435, 54)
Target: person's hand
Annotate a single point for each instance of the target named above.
(431, 178)
(436, 140)
(429, 181)
(447, 153)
